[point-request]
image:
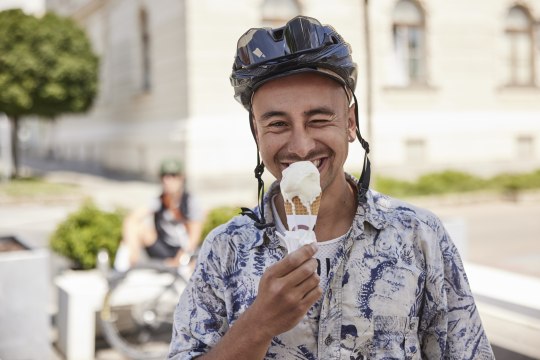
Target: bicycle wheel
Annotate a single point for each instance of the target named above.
(138, 310)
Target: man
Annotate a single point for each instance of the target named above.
(391, 284)
(167, 229)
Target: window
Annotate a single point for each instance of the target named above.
(409, 44)
(519, 47)
(415, 151)
(525, 147)
(145, 50)
(276, 13)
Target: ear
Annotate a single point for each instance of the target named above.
(351, 123)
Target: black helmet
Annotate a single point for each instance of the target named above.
(303, 44)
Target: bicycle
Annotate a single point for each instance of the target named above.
(137, 313)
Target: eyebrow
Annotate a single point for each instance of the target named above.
(319, 111)
(316, 111)
(270, 114)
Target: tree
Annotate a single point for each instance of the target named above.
(47, 68)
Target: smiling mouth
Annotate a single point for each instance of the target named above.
(319, 163)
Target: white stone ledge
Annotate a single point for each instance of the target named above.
(509, 305)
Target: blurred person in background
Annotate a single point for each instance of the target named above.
(168, 229)
(383, 281)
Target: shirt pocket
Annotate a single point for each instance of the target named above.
(395, 337)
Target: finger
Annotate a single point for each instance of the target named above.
(299, 298)
(308, 285)
(294, 260)
(312, 295)
(301, 273)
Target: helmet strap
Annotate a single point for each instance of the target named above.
(260, 221)
(363, 182)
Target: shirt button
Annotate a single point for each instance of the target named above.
(328, 340)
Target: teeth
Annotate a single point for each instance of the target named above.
(317, 163)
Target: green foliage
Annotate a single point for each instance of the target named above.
(516, 182)
(34, 188)
(456, 182)
(84, 232)
(18, 66)
(431, 184)
(448, 182)
(47, 66)
(394, 187)
(218, 216)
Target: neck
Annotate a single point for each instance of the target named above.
(338, 207)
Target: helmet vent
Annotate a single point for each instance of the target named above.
(278, 34)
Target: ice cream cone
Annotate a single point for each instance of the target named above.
(298, 214)
(298, 208)
(301, 190)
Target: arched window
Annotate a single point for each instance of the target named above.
(277, 12)
(519, 47)
(409, 44)
(145, 50)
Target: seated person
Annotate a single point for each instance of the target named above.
(167, 229)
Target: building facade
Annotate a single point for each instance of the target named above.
(454, 86)
(36, 7)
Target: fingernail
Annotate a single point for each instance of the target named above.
(314, 246)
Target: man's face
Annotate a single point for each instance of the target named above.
(304, 117)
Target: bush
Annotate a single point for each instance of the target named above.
(394, 187)
(448, 182)
(218, 216)
(84, 232)
(516, 182)
(456, 182)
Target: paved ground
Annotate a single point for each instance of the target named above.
(499, 233)
(34, 222)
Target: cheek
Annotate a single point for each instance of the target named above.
(268, 158)
(269, 145)
(269, 149)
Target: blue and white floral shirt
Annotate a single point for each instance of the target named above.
(397, 290)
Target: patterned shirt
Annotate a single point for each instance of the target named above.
(397, 290)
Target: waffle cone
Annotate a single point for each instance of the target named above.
(300, 208)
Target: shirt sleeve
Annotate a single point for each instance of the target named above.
(155, 204)
(200, 318)
(195, 209)
(450, 326)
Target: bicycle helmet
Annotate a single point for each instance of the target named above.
(171, 166)
(302, 45)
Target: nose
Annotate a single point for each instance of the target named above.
(300, 143)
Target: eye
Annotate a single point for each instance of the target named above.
(318, 122)
(277, 124)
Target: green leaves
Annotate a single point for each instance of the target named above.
(450, 181)
(84, 232)
(218, 216)
(47, 66)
